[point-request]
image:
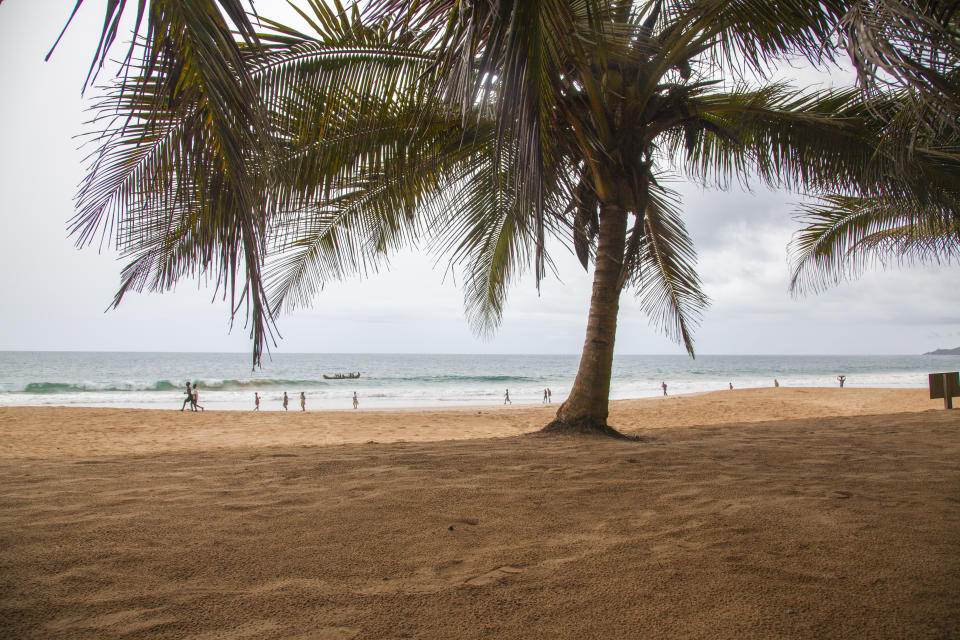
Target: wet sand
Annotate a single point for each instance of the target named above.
(781, 513)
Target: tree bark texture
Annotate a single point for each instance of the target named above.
(587, 407)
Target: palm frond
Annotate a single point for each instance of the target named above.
(905, 43)
(750, 36)
(186, 73)
(508, 58)
(665, 277)
(791, 139)
(844, 236)
(219, 159)
(156, 20)
(487, 229)
(397, 204)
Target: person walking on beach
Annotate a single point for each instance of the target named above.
(303, 401)
(776, 382)
(664, 385)
(286, 400)
(356, 400)
(549, 395)
(731, 386)
(544, 396)
(196, 397)
(506, 397)
(842, 379)
(256, 401)
(189, 398)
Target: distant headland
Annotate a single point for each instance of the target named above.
(944, 352)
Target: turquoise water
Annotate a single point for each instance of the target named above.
(156, 380)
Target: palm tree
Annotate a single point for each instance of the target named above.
(478, 129)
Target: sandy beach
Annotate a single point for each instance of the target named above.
(755, 513)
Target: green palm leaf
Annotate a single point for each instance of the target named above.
(843, 236)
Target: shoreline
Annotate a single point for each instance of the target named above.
(89, 431)
(450, 406)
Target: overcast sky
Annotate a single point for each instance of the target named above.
(53, 295)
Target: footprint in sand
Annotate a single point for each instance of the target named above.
(468, 521)
(494, 575)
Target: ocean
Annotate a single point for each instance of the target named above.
(226, 380)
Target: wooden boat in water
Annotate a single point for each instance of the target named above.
(342, 376)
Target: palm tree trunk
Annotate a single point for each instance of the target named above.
(587, 407)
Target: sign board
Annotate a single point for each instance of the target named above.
(945, 385)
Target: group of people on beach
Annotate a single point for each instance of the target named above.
(547, 396)
(193, 397)
(286, 401)
(776, 383)
(303, 401)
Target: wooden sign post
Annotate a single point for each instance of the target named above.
(945, 385)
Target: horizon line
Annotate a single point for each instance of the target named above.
(453, 353)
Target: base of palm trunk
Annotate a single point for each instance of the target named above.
(585, 426)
